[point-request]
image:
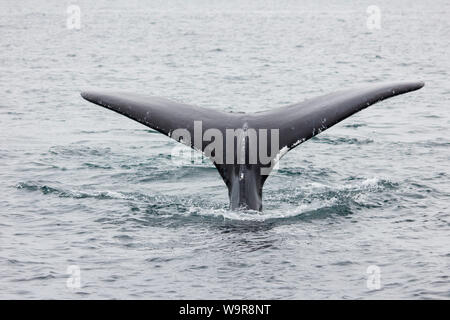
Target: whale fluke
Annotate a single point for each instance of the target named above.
(245, 147)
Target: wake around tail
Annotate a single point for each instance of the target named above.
(245, 147)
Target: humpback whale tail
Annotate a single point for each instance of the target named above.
(240, 145)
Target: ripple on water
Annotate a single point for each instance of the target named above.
(340, 140)
(314, 201)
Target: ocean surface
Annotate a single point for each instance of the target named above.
(93, 206)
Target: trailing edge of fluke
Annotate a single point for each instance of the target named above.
(245, 176)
